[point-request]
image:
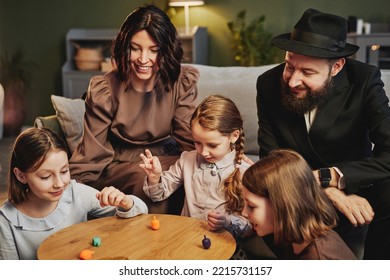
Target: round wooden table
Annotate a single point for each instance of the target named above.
(178, 238)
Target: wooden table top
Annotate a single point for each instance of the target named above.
(178, 238)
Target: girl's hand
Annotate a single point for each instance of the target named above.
(110, 196)
(217, 220)
(152, 167)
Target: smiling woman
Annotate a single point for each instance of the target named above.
(145, 103)
(143, 60)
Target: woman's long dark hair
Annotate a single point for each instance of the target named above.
(160, 28)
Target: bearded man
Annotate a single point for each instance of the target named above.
(333, 110)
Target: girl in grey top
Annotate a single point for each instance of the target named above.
(43, 199)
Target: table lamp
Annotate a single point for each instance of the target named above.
(186, 5)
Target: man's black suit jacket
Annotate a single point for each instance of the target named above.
(351, 130)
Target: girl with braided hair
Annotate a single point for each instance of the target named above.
(211, 174)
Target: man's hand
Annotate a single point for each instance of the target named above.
(355, 208)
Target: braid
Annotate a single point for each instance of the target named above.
(240, 147)
(232, 184)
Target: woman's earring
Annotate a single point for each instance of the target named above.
(233, 146)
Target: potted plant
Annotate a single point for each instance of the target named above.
(16, 78)
(252, 43)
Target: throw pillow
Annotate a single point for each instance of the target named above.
(70, 114)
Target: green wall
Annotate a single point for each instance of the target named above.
(40, 26)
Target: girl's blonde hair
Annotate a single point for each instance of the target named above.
(301, 209)
(29, 151)
(219, 113)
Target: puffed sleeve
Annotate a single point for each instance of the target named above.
(94, 151)
(187, 90)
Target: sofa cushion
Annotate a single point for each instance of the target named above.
(70, 114)
(50, 122)
(238, 84)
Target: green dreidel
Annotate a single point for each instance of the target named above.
(96, 241)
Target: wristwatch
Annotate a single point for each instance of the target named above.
(325, 177)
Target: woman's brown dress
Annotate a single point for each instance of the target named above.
(120, 124)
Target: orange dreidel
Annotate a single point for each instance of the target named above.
(86, 254)
(155, 224)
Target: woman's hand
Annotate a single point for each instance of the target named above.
(110, 196)
(152, 167)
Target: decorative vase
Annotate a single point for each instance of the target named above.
(14, 109)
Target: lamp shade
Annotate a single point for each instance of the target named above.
(181, 3)
(186, 5)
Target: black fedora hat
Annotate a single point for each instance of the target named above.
(317, 34)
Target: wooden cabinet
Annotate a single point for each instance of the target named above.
(374, 48)
(75, 81)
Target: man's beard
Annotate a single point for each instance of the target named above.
(312, 99)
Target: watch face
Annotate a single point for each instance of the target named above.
(325, 173)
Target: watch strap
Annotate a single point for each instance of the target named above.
(325, 177)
